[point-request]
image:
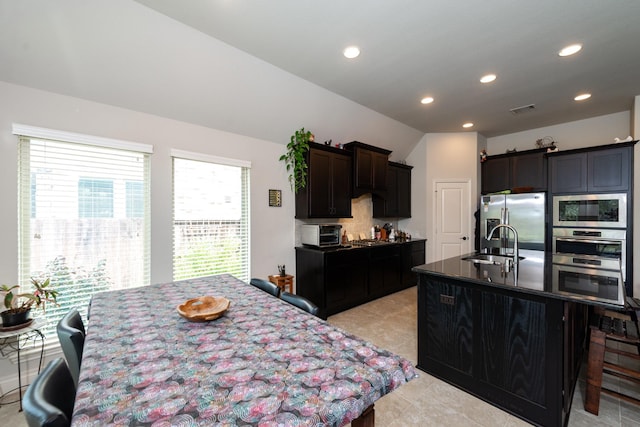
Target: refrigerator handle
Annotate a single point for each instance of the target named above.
(504, 215)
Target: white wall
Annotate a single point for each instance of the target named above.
(440, 156)
(417, 224)
(581, 133)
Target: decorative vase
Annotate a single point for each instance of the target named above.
(14, 318)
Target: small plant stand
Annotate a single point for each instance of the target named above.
(14, 340)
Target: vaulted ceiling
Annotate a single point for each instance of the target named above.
(120, 53)
(411, 49)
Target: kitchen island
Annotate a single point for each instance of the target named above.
(515, 342)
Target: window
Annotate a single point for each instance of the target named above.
(210, 216)
(95, 198)
(135, 199)
(75, 223)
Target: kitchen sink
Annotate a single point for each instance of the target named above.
(489, 259)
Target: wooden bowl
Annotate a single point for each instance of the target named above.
(203, 309)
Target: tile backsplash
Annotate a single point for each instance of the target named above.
(362, 221)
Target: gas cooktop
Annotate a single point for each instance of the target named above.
(368, 242)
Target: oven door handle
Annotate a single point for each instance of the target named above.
(602, 242)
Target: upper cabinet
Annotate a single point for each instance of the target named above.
(600, 169)
(396, 203)
(328, 190)
(515, 170)
(369, 168)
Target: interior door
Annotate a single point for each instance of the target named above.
(453, 219)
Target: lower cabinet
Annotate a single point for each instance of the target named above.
(385, 270)
(345, 279)
(336, 280)
(448, 319)
(510, 349)
(412, 253)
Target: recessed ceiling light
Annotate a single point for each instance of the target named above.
(426, 100)
(351, 52)
(582, 97)
(467, 125)
(488, 78)
(570, 50)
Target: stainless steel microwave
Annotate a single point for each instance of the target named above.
(590, 210)
(320, 235)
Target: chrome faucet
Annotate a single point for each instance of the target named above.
(516, 252)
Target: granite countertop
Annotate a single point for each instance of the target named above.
(348, 247)
(537, 274)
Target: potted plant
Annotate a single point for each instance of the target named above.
(19, 305)
(295, 158)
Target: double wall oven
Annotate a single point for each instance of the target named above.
(589, 244)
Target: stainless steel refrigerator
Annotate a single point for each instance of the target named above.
(525, 212)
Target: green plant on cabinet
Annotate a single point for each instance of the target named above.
(295, 158)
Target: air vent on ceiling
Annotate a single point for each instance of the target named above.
(523, 109)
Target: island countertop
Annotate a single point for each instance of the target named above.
(537, 274)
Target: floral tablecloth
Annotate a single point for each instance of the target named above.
(263, 363)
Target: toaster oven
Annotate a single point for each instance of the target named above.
(320, 235)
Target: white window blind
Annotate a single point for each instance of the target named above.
(210, 217)
(84, 220)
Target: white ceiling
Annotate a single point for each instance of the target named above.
(129, 54)
(411, 49)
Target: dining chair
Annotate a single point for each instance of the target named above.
(71, 335)
(266, 286)
(300, 302)
(48, 402)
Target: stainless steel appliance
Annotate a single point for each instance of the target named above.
(525, 212)
(604, 244)
(590, 210)
(591, 277)
(320, 235)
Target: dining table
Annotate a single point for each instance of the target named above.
(264, 362)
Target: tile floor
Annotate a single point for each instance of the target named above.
(390, 323)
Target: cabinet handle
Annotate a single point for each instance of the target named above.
(464, 238)
(447, 299)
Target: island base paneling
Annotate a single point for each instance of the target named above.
(509, 348)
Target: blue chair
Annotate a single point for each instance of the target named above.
(266, 286)
(300, 302)
(48, 402)
(71, 335)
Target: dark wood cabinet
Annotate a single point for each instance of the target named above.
(446, 326)
(568, 173)
(370, 166)
(512, 342)
(346, 275)
(328, 190)
(514, 170)
(602, 169)
(385, 270)
(396, 203)
(413, 254)
(608, 170)
(336, 280)
(529, 170)
(505, 347)
(495, 173)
